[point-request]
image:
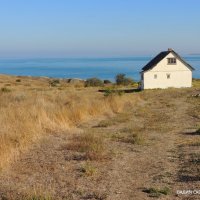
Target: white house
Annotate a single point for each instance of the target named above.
(166, 70)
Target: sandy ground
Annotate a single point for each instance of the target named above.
(163, 160)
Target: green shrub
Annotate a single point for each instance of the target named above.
(121, 79)
(93, 82)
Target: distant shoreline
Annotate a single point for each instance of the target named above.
(105, 68)
(194, 54)
(59, 78)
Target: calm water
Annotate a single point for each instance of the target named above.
(104, 68)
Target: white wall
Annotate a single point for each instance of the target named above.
(180, 75)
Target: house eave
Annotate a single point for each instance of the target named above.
(148, 68)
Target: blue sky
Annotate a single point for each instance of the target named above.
(79, 28)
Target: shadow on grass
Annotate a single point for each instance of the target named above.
(189, 167)
(189, 178)
(192, 133)
(122, 90)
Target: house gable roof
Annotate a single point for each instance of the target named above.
(160, 57)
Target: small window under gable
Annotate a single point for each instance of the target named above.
(171, 61)
(168, 76)
(155, 76)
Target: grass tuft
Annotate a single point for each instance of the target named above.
(88, 170)
(130, 135)
(35, 197)
(90, 144)
(155, 192)
(105, 123)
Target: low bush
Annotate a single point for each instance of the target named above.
(107, 82)
(93, 82)
(121, 79)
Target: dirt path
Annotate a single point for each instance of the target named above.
(51, 169)
(155, 164)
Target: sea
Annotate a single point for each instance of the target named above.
(83, 68)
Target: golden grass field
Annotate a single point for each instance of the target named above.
(67, 141)
(30, 107)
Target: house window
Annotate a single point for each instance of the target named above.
(155, 76)
(171, 61)
(168, 76)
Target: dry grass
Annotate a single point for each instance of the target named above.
(105, 123)
(156, 193)
(119, 118)
(88, 169)
(39, 193)
(36, 197)
(198, 131)
(132, 135)
(196, 83)
(91, 145)
(32, 108)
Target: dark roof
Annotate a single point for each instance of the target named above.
(161, 56)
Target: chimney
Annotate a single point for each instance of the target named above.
(170, 49)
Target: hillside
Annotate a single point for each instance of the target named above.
(66, 141)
